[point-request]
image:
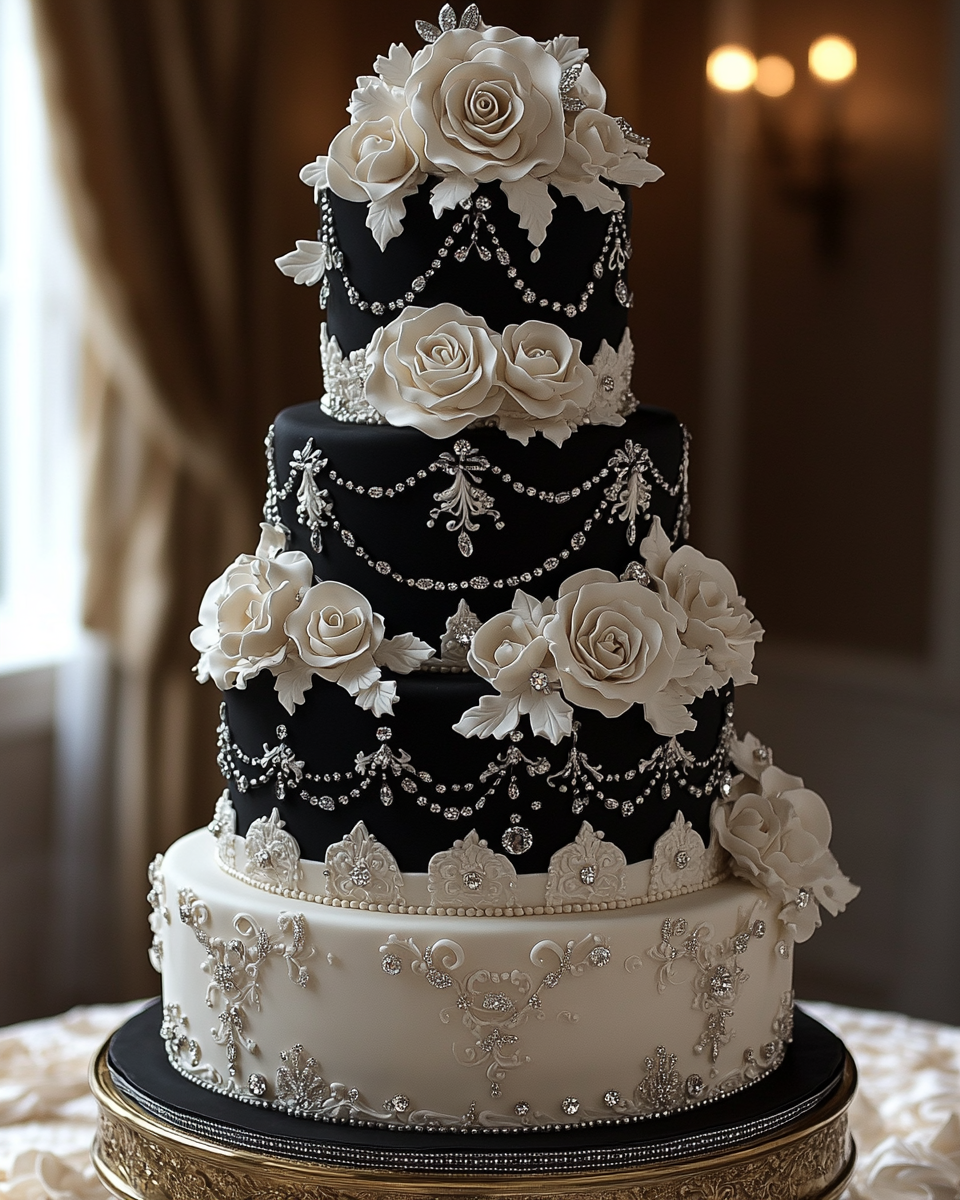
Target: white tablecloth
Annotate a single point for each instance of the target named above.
(906, 1117)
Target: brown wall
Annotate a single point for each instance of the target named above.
(843, 355)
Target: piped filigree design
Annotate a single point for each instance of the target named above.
(492, 1005)
(588, 869)
(273, 855)
(464, 500)
(344, 381)
(470, 873)
(362, 868)
(174, 1030)
(159, 913)
(224, 829)
(679, 856)
(717, 977)
(234, 967)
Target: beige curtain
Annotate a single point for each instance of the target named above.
(164, 138)
(181, 126)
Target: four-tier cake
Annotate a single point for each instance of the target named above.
(490, 853)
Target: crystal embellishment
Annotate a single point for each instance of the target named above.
(570, 1105)
(517, 839)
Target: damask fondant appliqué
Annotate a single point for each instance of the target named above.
(588, 869)
(470, 873)
(361, 868)
(272, 854)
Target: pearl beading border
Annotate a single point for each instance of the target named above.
(421, 910)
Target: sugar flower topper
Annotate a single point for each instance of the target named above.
(479, 103)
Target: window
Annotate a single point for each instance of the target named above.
(41, 296)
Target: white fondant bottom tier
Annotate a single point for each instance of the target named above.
(494, 1022)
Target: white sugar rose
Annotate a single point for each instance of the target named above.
(594, 146)
(371, 161)
(778, 838)
(435, 369)
(615, 645)
(511, 652)
(719, 625)
(336, 634)
(243, 612)
(546, 386)
(487, 104)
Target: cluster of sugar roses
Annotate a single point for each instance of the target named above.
(440, 369)
(777, 833)
(266, 613)
(480, 103)
(662, 635)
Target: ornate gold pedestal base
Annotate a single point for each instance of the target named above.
(140, 1157)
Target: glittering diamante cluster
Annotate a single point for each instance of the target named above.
(473, 231)
(493, 1006)
(630, 470)
(234, 966)
(668, 768)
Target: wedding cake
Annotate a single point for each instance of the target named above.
(490, 854)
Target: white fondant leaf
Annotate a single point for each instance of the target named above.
(359, 674)
(385, 217)
(315, 174)
(592, 193)
(450, 191)
(566, 50)
(371, 99)
(495, 716)
(294, 680)
(530, 199)
(635, 170)
(306, 264)
(403, 653)
(394, 68)
(530, 608)
(379, 697)
(550, 715)
(656, 548)
(667, 714)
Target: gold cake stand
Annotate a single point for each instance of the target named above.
(141, 1157)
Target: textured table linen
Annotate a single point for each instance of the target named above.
(906, 1117)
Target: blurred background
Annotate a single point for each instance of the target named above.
(797, 280)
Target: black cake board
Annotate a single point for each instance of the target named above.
(816, 1076)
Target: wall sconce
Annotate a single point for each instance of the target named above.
(820, 188)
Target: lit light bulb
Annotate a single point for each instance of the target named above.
(731, 68)
(832, 59)
(775, 75)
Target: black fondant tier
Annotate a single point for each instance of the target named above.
(815, 1069)
(399, 536)
(328, 731)
(482, 284)
(625, 785)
